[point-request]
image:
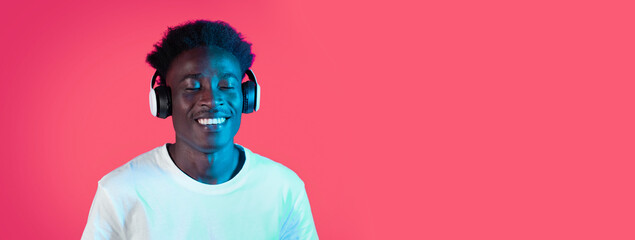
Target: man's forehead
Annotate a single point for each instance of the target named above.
(205, 61)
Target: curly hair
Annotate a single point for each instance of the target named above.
(199, 33)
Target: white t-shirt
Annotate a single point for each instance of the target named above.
(151, 198)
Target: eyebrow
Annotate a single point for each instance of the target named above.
(198, 75)
(194, 75)
(231, 75)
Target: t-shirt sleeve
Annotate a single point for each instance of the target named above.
(300, 223)
(102, 219)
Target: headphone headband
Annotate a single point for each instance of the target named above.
(251, 75)
(156, 74)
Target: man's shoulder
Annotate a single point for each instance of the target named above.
(274, 171)
(126, 174)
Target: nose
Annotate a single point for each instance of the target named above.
(210, 99)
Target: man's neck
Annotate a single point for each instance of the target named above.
(211, 168)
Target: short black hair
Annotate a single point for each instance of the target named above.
(199, 33)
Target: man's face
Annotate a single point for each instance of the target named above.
(206, 98)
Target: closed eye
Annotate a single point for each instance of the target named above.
(195, 85)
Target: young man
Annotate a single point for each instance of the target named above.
(204, 186)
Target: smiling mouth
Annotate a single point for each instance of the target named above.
(211, 121)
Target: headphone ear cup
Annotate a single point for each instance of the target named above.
(153, 102)
(163, 101)
(249, 96)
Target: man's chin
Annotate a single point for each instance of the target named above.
(213, 146)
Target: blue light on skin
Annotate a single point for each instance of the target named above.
(205, 82)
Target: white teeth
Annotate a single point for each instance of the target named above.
(208, 121)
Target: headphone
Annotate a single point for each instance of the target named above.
(161, 96)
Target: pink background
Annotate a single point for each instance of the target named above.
(407, 120)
